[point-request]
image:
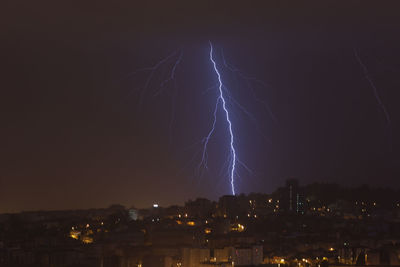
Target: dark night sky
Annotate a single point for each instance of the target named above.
(72, 135)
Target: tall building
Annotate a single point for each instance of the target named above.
(292, 199)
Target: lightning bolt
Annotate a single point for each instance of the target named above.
(371, 83)
(152, 72)
(168, 83)
(174, 92)
(171, 77)
(221, 102)
(224, 99)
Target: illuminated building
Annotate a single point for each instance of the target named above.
(292, 199)
(237, 227)
(133, 214)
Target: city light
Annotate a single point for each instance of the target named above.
(87, 240)
(74, 234)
